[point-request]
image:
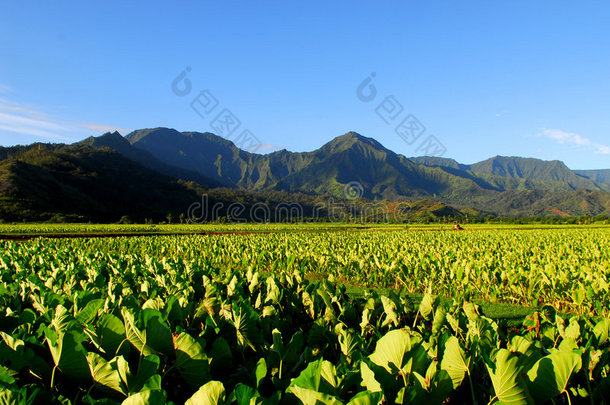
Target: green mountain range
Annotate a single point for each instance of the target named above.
(153, 172)
(502, 185)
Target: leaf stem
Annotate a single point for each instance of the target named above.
(116, 353)
(53, 377)
(474, 401)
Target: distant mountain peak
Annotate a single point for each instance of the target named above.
(114, 136)
(140, 134)
(355, 136)
(350, 139)
(112, 140)
(351, 134)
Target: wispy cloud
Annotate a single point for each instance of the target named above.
(565, 137)
(572, 138)
(21, 119)
(105, 128)
(604, 150)
(4, 89)
(269, 147)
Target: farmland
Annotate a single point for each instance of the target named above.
(348, 314)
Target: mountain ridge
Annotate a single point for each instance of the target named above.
(380, 172)
(238, 168)
(501, 185)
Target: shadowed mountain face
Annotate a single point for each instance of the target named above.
(115, 141)
(501, 185)
(600, 176)
(85, 183)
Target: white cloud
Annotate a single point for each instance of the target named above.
(106, 128)
(564, 137)
(20, 119)
(603, 150)
(269, 147)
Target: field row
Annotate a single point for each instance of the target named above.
(55, 229)
(567, 269)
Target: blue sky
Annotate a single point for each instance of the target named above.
(484, 78)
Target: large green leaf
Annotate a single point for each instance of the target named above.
(396, 355)
(134, 335)
(6, 379)
(69, 355)
(505, 374)
(310, 377)
(106, 373)
(260, 372)
(212, 392)
(147, 368)
(432, 389)
(311, 397)
(191, 360)
(246, 331)
(550, 375)
(601, 330)
(285, 354)
(440, 316)
(426, 306)
(368, 378)
(454, 362)
(366, 398)
(148, 397)
(290, 352)
(63, 320)
(330, 382)
(221, 355)
(391, 350)
(89, 312)
(318, 382)
(245, 395)
(389, 308)
(572, 331)
(349, 341)
(158, 334)
(16, 356)
(111, 332)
